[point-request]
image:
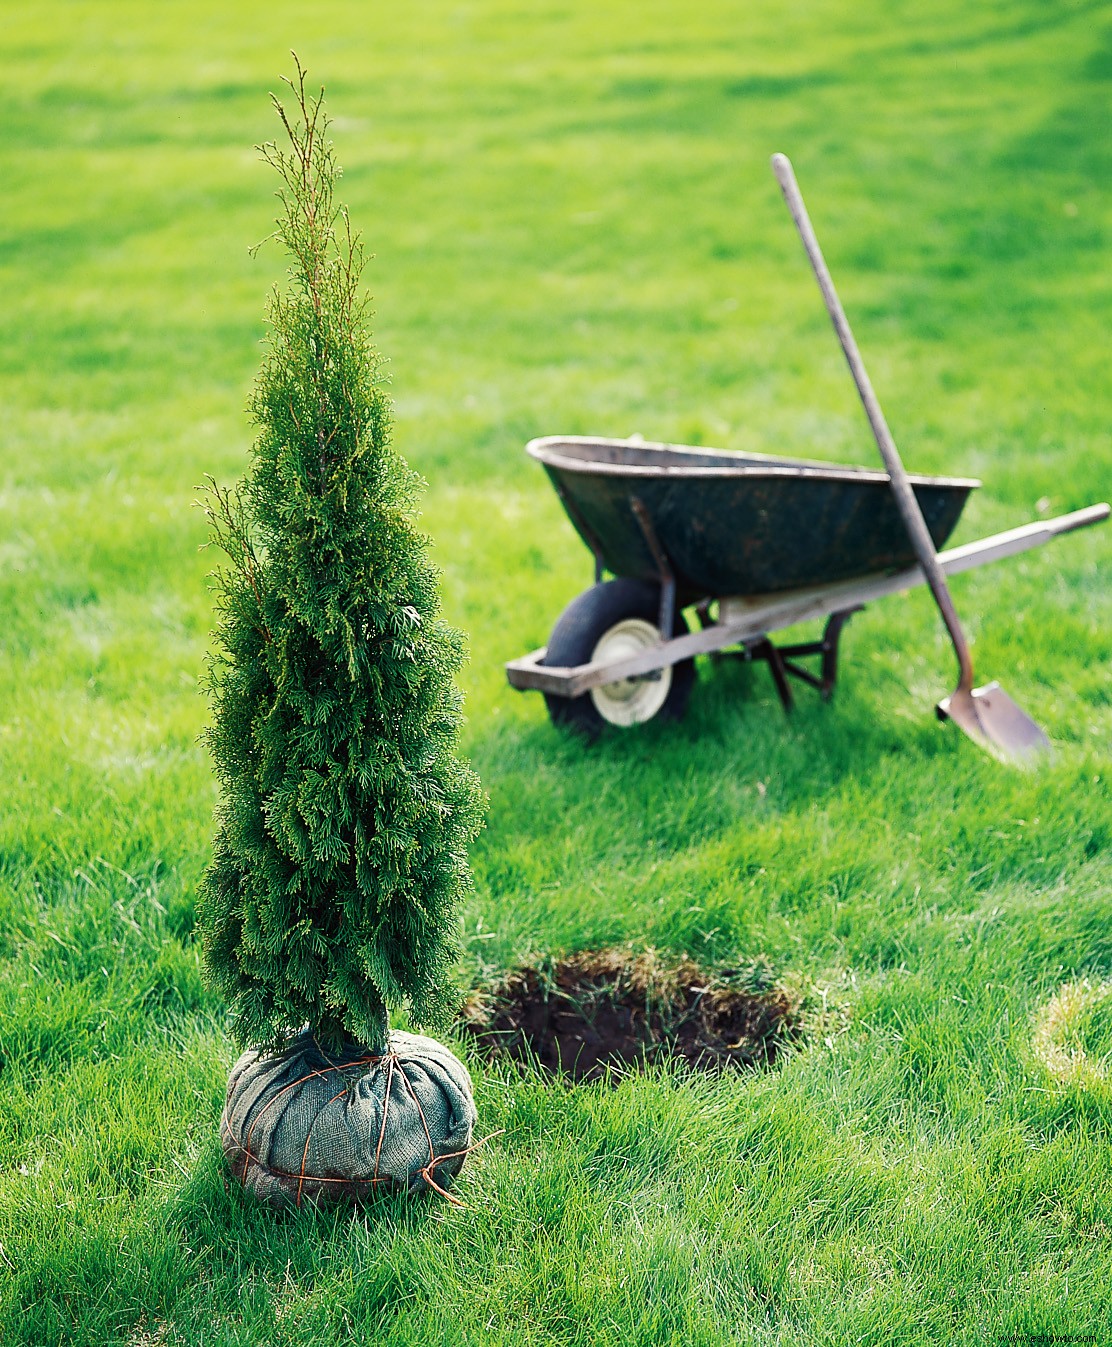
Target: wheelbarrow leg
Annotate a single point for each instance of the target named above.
(781, 659)
(830, 636)
(660, 559)
(780, 669)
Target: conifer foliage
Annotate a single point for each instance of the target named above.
(340, 854)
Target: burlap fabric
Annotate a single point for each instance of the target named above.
(301, 1126)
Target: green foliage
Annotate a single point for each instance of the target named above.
(340, 853)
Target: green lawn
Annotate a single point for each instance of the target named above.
(576, 231)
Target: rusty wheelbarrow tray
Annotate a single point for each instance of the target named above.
(752, 543)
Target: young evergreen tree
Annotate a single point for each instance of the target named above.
(340, 853)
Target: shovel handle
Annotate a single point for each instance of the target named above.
(909, 509)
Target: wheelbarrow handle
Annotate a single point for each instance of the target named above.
(909, 509)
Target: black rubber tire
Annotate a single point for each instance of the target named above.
(582, 625)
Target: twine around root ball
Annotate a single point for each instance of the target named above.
(249, 1160)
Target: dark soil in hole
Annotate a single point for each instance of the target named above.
(599, 1012)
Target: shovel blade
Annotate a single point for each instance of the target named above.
(990, 717)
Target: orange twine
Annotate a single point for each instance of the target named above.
(393, 1063)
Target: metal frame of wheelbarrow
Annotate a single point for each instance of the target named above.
(747, 622)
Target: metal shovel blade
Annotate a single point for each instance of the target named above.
(990, 717)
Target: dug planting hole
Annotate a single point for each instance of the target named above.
(600, 1013)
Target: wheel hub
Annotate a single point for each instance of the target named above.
(632, 700)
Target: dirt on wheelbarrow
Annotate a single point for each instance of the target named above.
(603, 1013)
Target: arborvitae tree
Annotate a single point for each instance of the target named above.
(340, 854)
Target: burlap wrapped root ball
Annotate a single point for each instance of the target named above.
(302, 1126)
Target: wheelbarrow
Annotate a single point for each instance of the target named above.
(749, 545)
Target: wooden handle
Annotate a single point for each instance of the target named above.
(909, 509)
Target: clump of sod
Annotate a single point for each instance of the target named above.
(340, 851)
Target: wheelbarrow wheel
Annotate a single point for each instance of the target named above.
(610, 620)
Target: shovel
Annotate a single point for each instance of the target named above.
(987, 715)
